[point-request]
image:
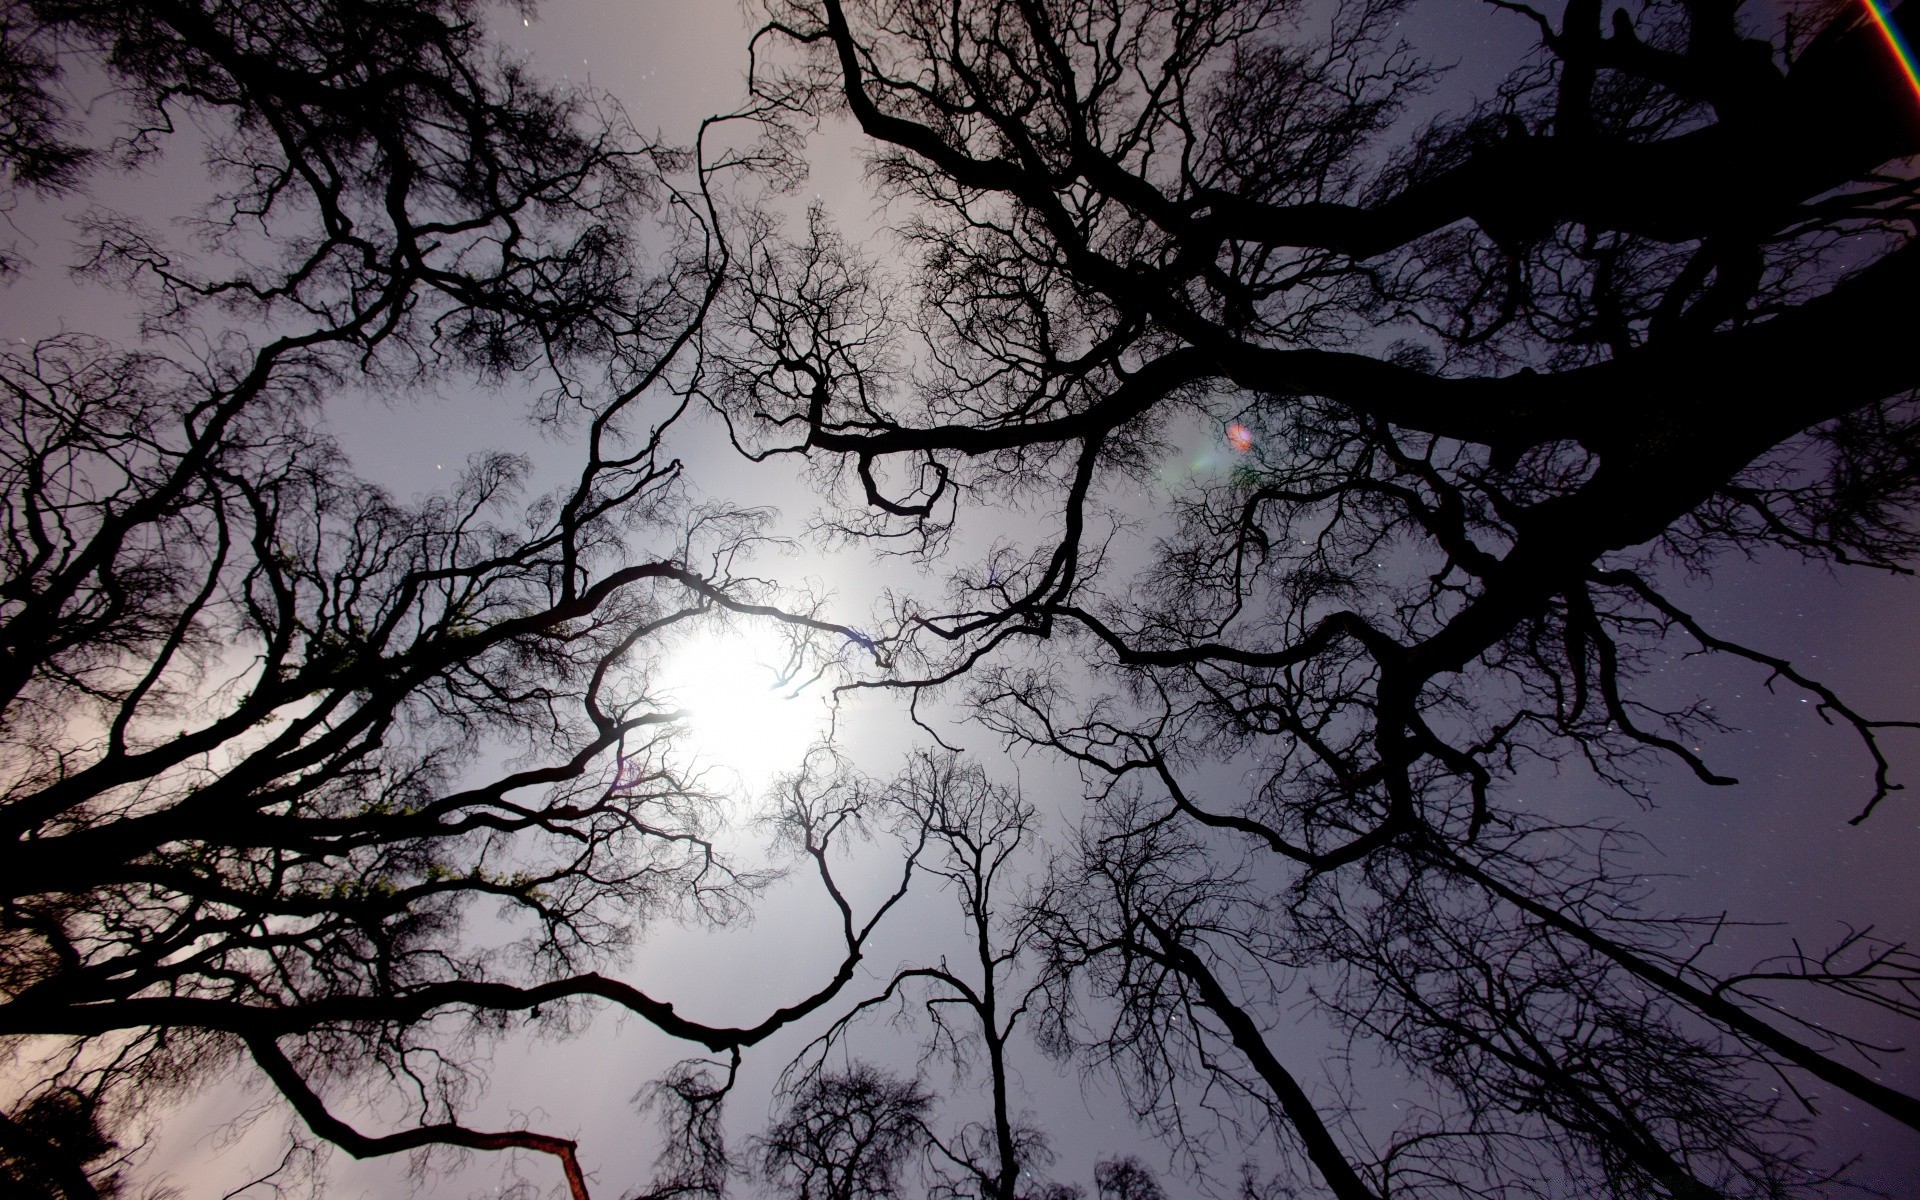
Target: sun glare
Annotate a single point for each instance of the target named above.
(750, 714)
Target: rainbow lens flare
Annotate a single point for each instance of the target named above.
(1897, 43)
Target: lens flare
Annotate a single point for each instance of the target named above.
(1239, 437)
(1896, 43)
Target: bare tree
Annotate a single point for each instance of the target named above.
(1525, 1060)
(1487, 385)
(970, 1013)
(845, 1137)
(978, 838)
(1487, 381)
(253, 707)
(1126, 1179)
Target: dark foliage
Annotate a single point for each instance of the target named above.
(52, 1149)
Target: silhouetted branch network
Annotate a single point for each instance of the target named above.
(273, 739)
(1490, 384)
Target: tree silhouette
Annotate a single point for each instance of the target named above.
(248, 699)
(1126, 1179)
(1487, 388)
(845, 1137)
(1484, 383)
(978, 839)
(53, 1146)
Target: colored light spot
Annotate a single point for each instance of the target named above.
(1239, 437)
(1896, 43)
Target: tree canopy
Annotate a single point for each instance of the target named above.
(350, 788)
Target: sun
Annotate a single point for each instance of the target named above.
(753, 708)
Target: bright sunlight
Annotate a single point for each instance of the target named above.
(751, 711)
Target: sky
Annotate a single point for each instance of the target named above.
(1775, 849)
